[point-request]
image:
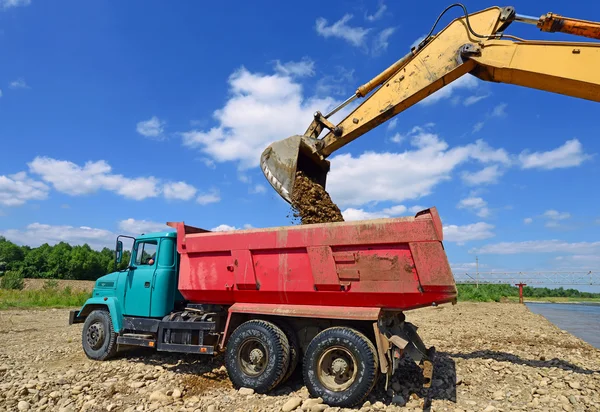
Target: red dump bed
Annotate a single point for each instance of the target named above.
(385, 263)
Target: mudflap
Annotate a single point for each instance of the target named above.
(405, 338)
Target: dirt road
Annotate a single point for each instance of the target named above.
(491, 357)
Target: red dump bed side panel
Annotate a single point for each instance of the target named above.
(385, 263)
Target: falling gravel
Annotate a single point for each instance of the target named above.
(311, 202)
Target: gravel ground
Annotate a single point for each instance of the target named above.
(491, 357)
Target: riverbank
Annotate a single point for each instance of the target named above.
(491, 357)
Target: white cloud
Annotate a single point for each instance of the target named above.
(381, 42)
(466, 233)
(474, 99)
(478, 126)
(465, 82)
(37, 234)
(179, 190)
(569, 154)
(340, 29)
(17, 189)
(499, 110)
(392, 124)
(397, 138)
(261, 109)
(556, 215)
(553, 218)
(137, 227)
(7, 4)
(336, 84)
(378, 14)
(224, 228)
(302, 68)
(396, 177)
(208, 163)
(488, 174)
(416, 209)
(475, 204)
(528, 220)
(152, 128)
(208, 198)
(0, 92)
(72, 179)
(351, 214)
(540, 246)
(20, 83)
(258, 189)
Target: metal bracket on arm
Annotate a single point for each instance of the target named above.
(319, 123)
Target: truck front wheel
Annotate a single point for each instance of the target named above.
(98, 337)
(258, 355)
(340, 366)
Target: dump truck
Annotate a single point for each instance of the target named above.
(328, 297)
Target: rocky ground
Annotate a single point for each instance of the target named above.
(491, 357)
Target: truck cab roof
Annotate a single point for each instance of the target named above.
(154, 235)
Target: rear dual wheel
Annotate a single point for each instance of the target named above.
(257, 356)
(340, 366)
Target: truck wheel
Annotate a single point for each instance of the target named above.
(98, 337)
(290, 334)
(340, 366)
(258, 355)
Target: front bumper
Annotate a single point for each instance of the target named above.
(73, 318)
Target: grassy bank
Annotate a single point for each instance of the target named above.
(44, 298)
(508, 293)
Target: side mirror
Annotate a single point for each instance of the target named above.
(119, 251)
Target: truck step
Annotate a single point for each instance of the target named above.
(133, 339)
(138, 335)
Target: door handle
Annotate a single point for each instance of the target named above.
(146, 284)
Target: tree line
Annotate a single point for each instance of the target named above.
(496, 292)
(61, 261)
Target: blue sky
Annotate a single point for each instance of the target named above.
(119, 116)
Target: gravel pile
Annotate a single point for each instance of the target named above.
(491, 357)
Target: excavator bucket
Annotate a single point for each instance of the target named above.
(283, 159)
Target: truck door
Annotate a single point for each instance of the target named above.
(138, 289)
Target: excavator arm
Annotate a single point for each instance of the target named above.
(473, 44)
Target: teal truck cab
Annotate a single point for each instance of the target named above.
(132, 306)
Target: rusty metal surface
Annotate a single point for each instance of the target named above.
(397, 264)
(305, 311)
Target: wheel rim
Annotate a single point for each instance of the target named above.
(337, 368)
(253, 357)
(95, 335)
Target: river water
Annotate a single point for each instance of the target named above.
(581, 320)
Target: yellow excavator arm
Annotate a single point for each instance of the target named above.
(473, 44)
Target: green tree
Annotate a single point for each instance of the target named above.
(35, 264)
(11, 254)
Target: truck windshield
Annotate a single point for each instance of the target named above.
(146, 252)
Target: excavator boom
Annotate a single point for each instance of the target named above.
(473, 44)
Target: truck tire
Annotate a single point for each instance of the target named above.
(98, 337)
(290, 334)
(257, 356)
(340, 366)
